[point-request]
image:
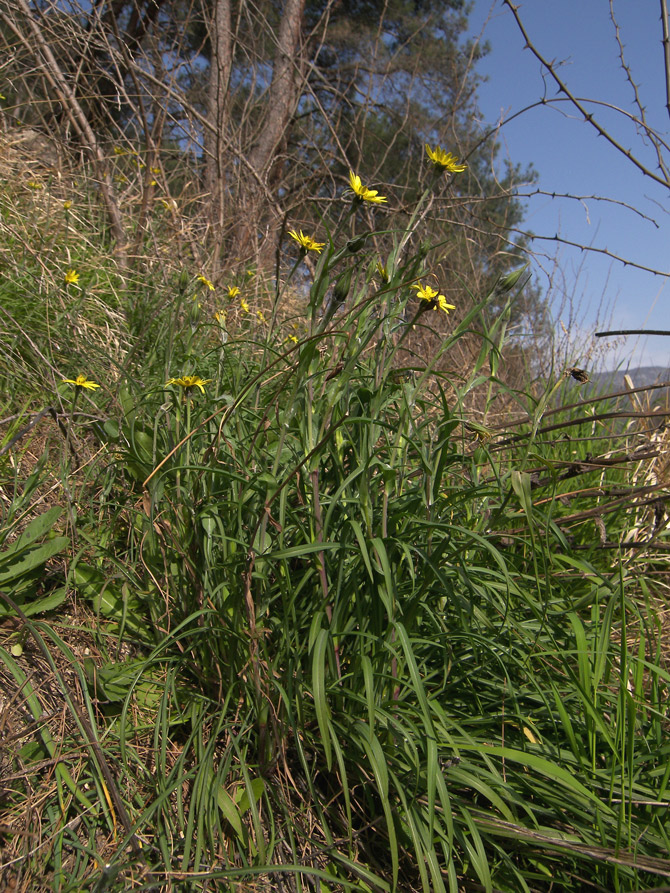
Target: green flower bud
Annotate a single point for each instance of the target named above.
(342, 286)
(506, 283)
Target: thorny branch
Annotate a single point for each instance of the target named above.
(666, 51)
(579, 104)
(636, 93)
(626, 262)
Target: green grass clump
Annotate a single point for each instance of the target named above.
(343, 638)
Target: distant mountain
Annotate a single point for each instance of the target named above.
(641, 376)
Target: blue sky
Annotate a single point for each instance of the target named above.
(571, 158)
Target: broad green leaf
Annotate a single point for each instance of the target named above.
(30, 608)
(230, 811)
(112, 600)
(37, 528)
(24, 562)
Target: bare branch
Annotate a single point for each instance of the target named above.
(579, 105)
(666, 51)
(632, 332)
(588, 198)
(604, 251)
(54, 74)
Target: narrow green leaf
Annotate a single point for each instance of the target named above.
(319, 658)
(521, 486)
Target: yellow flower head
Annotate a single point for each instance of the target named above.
(233, 291)
(71, 277)
(33, 184)
(445, 161)
(205, 281)
(220, 317)
(362, 193)
(481, 432)
(81, 382)
(383, 272)
(306, 243)
(434, 301)
(244, 305)
(67, 205)
(260, 315)
(189, 382)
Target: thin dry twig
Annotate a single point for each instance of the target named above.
(579, 104)
(666, 51)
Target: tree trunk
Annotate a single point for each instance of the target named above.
(283, 93)
(217, 109)
(282, 99)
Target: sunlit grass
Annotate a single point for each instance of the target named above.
(329, 624)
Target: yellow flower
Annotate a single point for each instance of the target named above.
(434, 301)
(67, 205)
(205, 281)
(442, 305)
(33, 184)
(155, 170)
(445, 161)
(306, 243)
(481, 432)
(189, 382)
(233, 291)
(119, 151)
(383, 272)
(220, 317)
(292, 338)
(260, 315)
(362, 193)
(71, 277)
(244, 305)
(81, 382)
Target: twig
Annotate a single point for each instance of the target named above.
(561, 241)
(636, 92)
(582, 199)
(84, 725)
(578, 104)
(666, 51)
(54, 74)
(583, 420)
(31, 424)
(633, 332)
(521, 420)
